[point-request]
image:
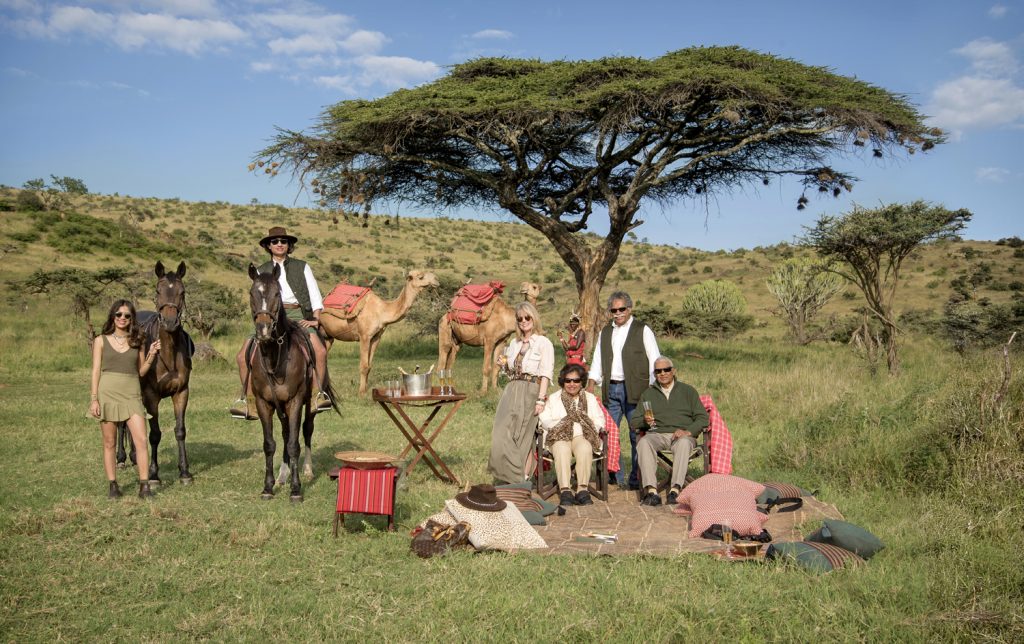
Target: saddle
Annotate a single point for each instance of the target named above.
(469, 306)
(346, 298)
(148, 321)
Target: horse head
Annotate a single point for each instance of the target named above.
(170, 296)
(265, 301)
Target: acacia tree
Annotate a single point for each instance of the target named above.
(803, 286)
(871, 244)
(550, 142)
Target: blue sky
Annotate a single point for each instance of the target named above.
(172, 98)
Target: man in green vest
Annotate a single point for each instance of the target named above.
(673, 417)
(623, 363)
(302, 301)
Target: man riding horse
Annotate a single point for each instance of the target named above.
(302, 302)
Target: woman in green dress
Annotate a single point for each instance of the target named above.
(117, 366)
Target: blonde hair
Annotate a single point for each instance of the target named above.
(531, 310)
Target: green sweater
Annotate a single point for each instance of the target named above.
(681, 410)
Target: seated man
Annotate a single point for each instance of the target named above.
(673, 418)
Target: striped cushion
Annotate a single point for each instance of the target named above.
(819, 557)
(519, 497)
(710, 507)
(786, 489)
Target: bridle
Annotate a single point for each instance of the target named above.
(178, 308)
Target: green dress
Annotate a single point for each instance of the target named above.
(120, 391)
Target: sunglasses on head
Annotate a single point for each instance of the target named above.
(621, 309)
(525, 318)
(278, 240)
(123, 315)
(576, 380)
(664, 370)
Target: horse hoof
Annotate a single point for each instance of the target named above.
(185, 480)
(266, 496)
(295, 498)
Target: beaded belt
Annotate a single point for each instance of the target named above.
(525, 376)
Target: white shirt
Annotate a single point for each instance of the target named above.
(619, 334)
(539, 359)
(316, 301)
(554, 411)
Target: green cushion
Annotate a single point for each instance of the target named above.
(847, 536)
(816, 557)
(534, 518)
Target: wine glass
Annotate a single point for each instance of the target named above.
(450, 378)
(442, 378)
(727, 535)
(648, 414)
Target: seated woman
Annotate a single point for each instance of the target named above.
(572, 419)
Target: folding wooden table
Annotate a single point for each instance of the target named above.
(417, 434)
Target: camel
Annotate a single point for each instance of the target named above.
(368, 325)
(490, 334)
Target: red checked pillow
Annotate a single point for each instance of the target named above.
(720, 483)
(711, 507)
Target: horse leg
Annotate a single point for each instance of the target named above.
(180, 400)
(285, 473)
(294, 420)
(266, 414)
(307, 438)
(152, 402)
(122, 457)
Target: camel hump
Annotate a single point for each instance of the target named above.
(346, 300)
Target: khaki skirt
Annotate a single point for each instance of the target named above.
(120, 396)
(513, 431)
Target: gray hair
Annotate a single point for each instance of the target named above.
(666, 359)
(620, 295)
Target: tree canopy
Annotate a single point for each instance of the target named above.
(550, 141)
(869, 246)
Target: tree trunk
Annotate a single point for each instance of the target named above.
(891, 357)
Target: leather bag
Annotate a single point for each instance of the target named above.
(437, 539)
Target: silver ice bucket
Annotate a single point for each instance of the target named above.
(417, 384)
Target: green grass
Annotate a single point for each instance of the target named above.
(916, 460)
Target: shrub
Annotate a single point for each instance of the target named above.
(30, 201)
(715, 308)
(976, 323)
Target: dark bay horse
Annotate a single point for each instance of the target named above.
(281, 368)
(170, 374)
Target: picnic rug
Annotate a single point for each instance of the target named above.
(658, 530)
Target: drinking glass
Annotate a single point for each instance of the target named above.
(396, 388)
(648, 414)
(451, 382)
(442, 378)
(727, 535)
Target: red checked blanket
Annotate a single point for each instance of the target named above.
(468, 305)
(720, 441)
(348, 298)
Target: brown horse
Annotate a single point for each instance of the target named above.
(282, 380)
(169, 377)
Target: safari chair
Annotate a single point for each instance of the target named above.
(699, 451)
(545, 462)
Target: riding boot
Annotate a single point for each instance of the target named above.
(144, 491)
(114, 492)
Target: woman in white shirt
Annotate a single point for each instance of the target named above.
(572, 421)
(529, 361)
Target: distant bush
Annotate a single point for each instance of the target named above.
(30, 201)
(714, 309)
(977, 324)
(1012, 242)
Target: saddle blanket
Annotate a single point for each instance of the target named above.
(468, 304)
(346, 297)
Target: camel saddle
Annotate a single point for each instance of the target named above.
(347, 298)
(469, 306)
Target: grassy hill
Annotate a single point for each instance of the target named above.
(218, 240)
(932, 461)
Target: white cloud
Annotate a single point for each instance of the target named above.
(68, 20)
(298, 23)
(304, 44)
(989, 57)
(263, 67)
(498, 34)
(340, 83)
(997, 11)
(992, 175)
(976, 102)
(989, 96)
(396, 71)
(364, 42)
(135, 31)
(17, 71)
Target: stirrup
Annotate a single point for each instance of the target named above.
(240, 410)
(322, 402)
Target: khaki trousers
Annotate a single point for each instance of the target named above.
(563, 452)
(647, 449)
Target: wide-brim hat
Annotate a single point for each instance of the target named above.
(483, 498)
(277, 231)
